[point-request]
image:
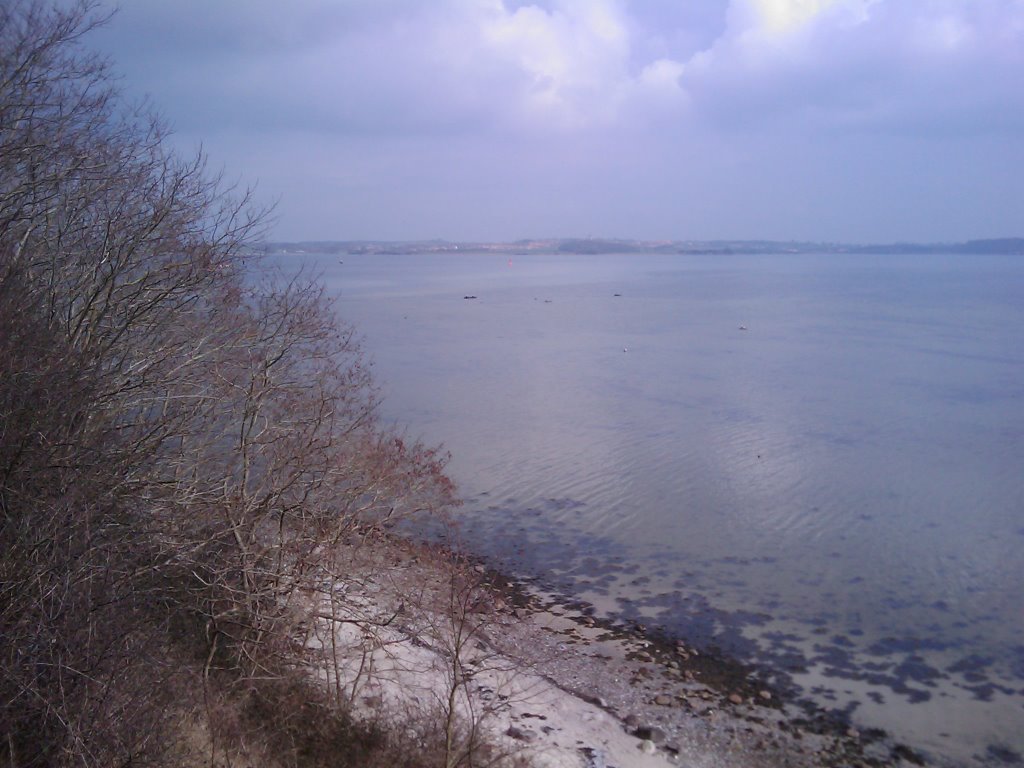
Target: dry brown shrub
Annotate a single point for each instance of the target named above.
(181, 446)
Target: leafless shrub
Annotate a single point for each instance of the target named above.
(180, 446)
(422, 652)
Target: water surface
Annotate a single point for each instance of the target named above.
(813, 462)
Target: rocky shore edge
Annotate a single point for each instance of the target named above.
(539, 680)
(694, 706)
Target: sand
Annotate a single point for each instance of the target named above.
(550, 686)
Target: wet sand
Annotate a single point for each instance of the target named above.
(546, 680)
(703, 707)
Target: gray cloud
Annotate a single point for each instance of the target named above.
(482, 118)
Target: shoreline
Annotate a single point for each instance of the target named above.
(671, 684)
(542, 679)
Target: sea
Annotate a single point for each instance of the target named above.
(811, 462)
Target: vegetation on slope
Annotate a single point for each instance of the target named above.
(181, 446)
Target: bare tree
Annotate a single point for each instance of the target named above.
(181, 444)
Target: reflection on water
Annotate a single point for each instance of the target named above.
(835, 490)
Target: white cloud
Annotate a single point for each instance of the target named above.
(663, 74)
(569, 66)
(779, 17)
(608, 111)
(942, 34)
(782, 15)
(861, 63)
(574, 57)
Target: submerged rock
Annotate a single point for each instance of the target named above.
(650, 733)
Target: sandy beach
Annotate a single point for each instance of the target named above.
(540, 683)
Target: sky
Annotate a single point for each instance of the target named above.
(815, 120)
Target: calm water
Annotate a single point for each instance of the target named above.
(836, 492)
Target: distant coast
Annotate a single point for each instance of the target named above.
(594, 246)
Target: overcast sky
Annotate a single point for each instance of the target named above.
(838, 120)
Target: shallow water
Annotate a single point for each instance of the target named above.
(835, 492)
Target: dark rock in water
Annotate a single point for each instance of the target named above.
(1004, 755)
(519, 734)
(650, 733)
(593, 758)
(902, 752)
(597, 701)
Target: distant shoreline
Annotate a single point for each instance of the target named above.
(1008, 246)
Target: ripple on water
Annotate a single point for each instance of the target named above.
(849, 468)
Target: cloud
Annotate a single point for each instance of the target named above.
(781, 17)
(572, 59)
(575, 66)
(395, 67)
(618, 117)
(864, 64)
